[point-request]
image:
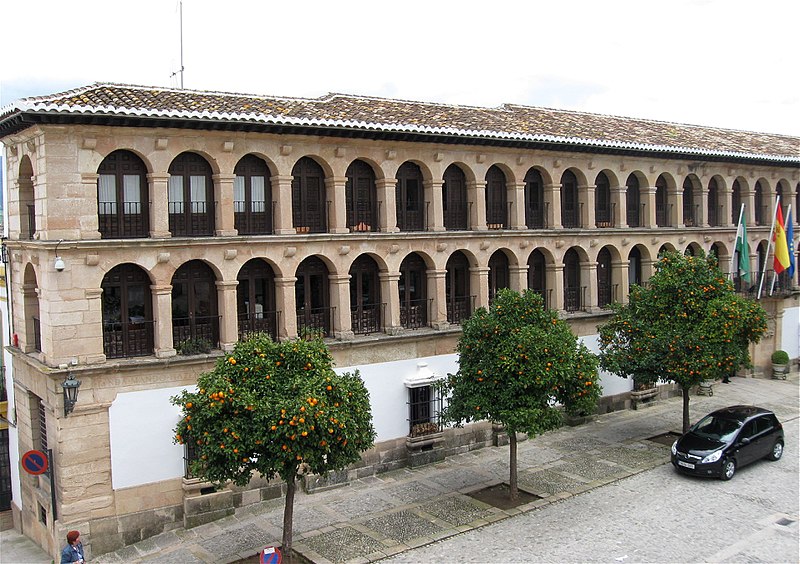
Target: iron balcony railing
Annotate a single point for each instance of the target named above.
(315, 321)
(414, 313)
(196, 327)
(366, 318)
(132, 223)
(459, 308)
(259, 322)
(129, 339)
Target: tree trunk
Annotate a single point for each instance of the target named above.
(288, 512)
(685, 409)
(512, 464)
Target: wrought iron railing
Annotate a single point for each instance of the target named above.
(132, 223)
(259, 322)
(124, 340)
(573, 299)
(196, 327)
(366, 318)
(198, 222)
(459, 308)
(315, 320)
(37, 335)
(414, 313)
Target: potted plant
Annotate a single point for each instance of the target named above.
(780, 364)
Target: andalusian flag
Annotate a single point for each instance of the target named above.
(781, 261)
(744, 254)
(790, 242)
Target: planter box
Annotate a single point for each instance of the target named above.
(425, 449)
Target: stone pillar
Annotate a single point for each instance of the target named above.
(552, 204)
(340, 299)
(749, 201)
(619, 281)
(282, 223)
(434, 210)
(91, 229)
(701, 209)
(516, 196)
(159, 204)
(675, 207)
(162, 308)
(619, 206)
(479, 286)
(589, 276)
(648, 269)
(476, 198)
(223, 211)
(391, 297)
(586, 199)
(437, 288)
(335, 194)
(285, 301)
(387, 205)
(725, 208)
(649, 200)
(93, 335)
(555, 286)
(228, 323)
(518, 277)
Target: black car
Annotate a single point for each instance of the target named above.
(728, 439)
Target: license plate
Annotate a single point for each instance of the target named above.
(686, 464)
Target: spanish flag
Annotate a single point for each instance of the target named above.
(782, 261)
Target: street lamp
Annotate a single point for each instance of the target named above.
(70, 386)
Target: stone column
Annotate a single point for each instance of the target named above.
(552, 204)
(93, 332)
(479, 286)
(223, 211)
(340, 299)
(649, 200)
(437, 288)
(619, 281)
(434, 210)
(159, 204)
(589, 276)
(285, 302)
(555, 287)
(391, 297)
(648, 269)
(516, 214)
(228, 323)
(701, 209)
(162, 308)
(518, 277)
(335, 194)
(586, 197)
(619, 206)
(282, 206)
(725, 207)
(387, 205)
(91, 229)
(476, 197)
(675, 207)
(749, 201)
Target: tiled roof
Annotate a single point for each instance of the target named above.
(340, 111)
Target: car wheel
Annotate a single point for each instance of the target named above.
(776, 452)
(728, 469)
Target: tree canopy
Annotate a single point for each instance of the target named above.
(685, 327)
(517, 360)
(269, 407)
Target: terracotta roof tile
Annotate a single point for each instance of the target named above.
(345, 111)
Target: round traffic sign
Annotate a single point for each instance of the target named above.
(34, 462)
(271, 555)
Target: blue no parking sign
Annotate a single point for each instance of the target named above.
(34, 462)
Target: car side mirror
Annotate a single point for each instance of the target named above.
(746, 441)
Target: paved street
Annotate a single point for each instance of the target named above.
(607, 494)
(655, 516)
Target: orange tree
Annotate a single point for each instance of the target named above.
(686, 326)
(271, 407)
(516, 361)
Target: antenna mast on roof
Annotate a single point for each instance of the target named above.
(180, 6)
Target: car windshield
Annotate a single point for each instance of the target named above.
(719, 428)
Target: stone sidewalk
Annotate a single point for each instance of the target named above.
(380, 516)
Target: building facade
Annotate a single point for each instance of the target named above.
(149, 229)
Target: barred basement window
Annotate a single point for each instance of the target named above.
(424, 402)
(42, 514)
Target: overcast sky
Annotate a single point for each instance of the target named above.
(725, 63)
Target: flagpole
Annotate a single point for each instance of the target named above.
(769, 246)
(736, 241)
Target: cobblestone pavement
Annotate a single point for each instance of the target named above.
(393, 513)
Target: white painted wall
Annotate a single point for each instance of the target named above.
(790, 336)
(142, 423)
